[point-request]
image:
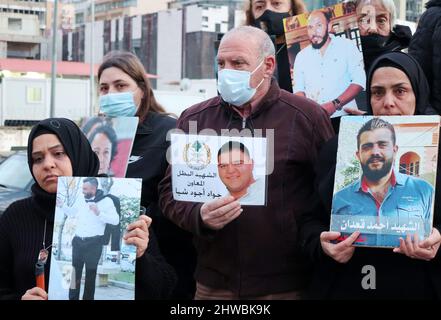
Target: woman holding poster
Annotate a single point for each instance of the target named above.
(57, 147)
(126, 91)
(396, 86)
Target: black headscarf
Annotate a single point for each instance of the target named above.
(412, 69)
(84, 161)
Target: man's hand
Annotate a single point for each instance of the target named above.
(329, 107)
(354, 111)
(35, 293)
(138, 234)
(217, 213)
(424, 250)
(94, 208)
(341, 252)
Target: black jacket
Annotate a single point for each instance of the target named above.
(112, 233)
(425, 46)
(283, 67)
(148, 161)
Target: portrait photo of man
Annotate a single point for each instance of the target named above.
(235, 168)
(330, 69)
(383, 196)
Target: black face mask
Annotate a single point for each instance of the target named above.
(272, 22)
(374, 42)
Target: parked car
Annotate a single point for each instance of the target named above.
(128, 258)
(15, 179)
(128, 253)
(112, 256)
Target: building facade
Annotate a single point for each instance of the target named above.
(22, 26)
(174, 44)
(111, 9)
(414, 9)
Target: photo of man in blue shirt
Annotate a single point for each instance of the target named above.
(383, 204)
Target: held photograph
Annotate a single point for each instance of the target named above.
(385, 178)
(207, 167)
(326, 60)
(90, 260)
(112, 141)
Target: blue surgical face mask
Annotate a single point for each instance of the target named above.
(234, 86)
(120, 104)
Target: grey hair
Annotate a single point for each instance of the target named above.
(264, 42)
(389, 5)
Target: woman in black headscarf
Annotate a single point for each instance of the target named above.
(395, 86)
(378, 104)
(385, 73)
(57, 147)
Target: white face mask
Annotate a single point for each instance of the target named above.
(234, 85)
(121, 104)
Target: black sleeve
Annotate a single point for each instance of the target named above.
(155, 278)
(6, 261)
(317, 220)
(421, 47)
(435, 84)
(311, 225)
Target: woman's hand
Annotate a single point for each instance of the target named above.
(423, 250)
(138, 234)
(354, 111)
(35, 293)
(341, 252)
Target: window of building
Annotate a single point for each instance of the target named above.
(403, 168)
(79, 18)
(33, 95)
(127, 3)
(435, 138)
(14, 24)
